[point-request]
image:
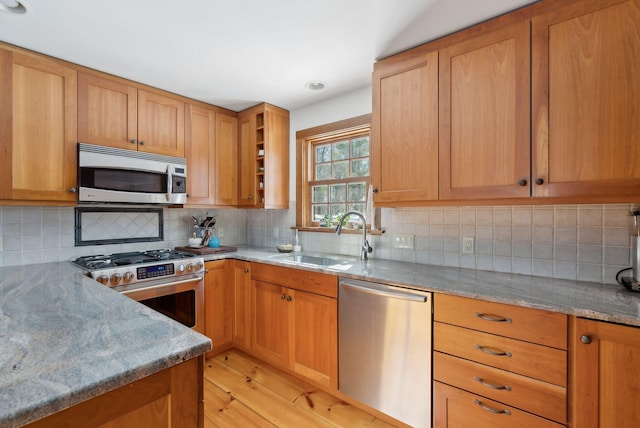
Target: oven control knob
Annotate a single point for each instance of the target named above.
(199, 266)
(115, 278)
(103, 279)
(191, 267)
(128, 276)
(180, 268)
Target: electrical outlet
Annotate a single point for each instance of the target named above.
(220, 232)
(467, 245)
(275, 232)
(403, 241)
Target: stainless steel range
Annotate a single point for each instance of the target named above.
(169, 281)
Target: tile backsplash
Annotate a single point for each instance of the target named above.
(584, 242)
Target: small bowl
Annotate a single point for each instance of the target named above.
(284, 248)
(195, 242)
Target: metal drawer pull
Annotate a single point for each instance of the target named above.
(493, 318)
(488, 385)
(491, 351)
(491, 409)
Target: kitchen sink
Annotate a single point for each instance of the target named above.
(316, 261)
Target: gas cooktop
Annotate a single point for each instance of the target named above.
(131, 258)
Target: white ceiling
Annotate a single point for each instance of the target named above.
(235, 54)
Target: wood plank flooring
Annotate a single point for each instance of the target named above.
(240, 391)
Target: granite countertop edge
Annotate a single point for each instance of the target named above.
(598, 301)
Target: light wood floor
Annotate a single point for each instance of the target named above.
(240, 391)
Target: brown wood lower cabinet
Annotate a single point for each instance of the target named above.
(295, 322)
(218, 297)
(454, 407)
(172, 398)
(605, 373)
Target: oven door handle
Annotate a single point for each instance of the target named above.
(193, 278)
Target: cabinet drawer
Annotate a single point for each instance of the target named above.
(313, 282)
(540, 398)
(531, 325)
(528, 359)
(453, 407)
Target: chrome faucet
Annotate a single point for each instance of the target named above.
(365, 249)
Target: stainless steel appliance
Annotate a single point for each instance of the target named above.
(106, 174)
(633, 283)
(169, 281)
(385, 348)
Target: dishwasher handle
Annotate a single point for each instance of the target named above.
(386, 291)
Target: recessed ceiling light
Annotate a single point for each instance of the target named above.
(315, 85)
(14, 6)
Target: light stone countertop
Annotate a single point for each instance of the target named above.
(65, 338)
(606, 302)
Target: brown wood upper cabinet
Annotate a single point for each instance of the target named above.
(484, 116)
(263, 171)
(561, 127)
(586, 100)
(37, 128)
(116, 114)
(211, 149)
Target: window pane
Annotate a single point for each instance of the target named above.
(335, 209)
(338, 193)
(323, 172)
(341, 169)
(357, 192)
(360, 167)
(323, 153)
(341, 150)
(319, 194)
(358, 207)
(360, 147)
(319, 211)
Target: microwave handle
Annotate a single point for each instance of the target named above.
(169, 184)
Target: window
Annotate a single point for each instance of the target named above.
(333, 169)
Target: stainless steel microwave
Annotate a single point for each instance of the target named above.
(110, 175)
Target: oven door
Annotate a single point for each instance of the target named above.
(180, 299)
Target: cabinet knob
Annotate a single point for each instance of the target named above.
(585, 339)
(289, 298)
(522, 182)
(246, 270)
(249, 197)
(142, 143)
(539, 181)
(72, 190)
(134, 141)
(283, 296)
(374, 190)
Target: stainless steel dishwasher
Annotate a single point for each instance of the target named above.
(385, 348)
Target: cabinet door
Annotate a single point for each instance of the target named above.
(605, 371)
(586, 99)
(404, 133)
(200, 151)
(271, 323)
(315, 337)
(484, 116)
(225, 167)
(276, 158)
(160, 124)
(247, 159)
(218, 303)
(107, 112)
(38, 117)
(242, 305)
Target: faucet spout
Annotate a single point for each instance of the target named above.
(365, 248)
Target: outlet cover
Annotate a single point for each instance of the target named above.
(220, 232)
(468, 245)
(403, 241)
